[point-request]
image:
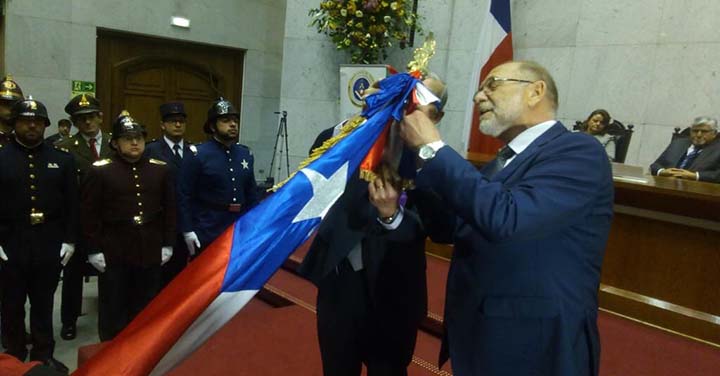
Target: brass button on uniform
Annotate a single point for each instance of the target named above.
(139, 203)
(32, 165)
(33, 198)
(32, 176)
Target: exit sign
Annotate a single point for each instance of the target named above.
(83, 87)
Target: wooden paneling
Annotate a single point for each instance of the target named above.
(138, 73)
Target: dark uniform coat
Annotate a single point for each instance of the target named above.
(38, 213)
(216, 185)
(43, 179)
(128, 210)
(78, 147)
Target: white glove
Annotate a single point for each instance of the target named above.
(3, 256)
(165, 254)
(97, 260)
(192, 242)
(66, 251)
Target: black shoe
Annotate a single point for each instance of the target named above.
(56, 365)
(68, 331)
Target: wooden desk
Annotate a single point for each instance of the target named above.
(662, 262)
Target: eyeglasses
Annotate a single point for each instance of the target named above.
(492, 83)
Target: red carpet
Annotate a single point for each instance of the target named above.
(263, 340)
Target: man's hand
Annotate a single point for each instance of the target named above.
(3, 256)
(384, 197)
(684, 174)
(97, 260)
(165, 254)
(66, 251)
(416, 129)
(192, 242)
(678, 173)
(666, 172)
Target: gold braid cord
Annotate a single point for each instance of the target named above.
(345, 130)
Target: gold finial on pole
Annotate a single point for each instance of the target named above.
(422, 55)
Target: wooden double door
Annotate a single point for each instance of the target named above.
(139, 73)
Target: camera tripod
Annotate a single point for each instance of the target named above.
(282, 139)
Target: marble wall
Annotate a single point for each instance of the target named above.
(650, 63)
(49, 43)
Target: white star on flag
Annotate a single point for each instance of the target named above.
(325, 192)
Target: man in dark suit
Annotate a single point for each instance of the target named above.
(63, 132)
(693, 158)
(368, 263)
(529, 231)
(38, 229)
(128, 219)
(88, 145)
(171, 148)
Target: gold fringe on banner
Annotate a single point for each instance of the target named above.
(345, 130)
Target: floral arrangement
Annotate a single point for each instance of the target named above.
(366, 28)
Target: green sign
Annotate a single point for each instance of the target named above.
(83, 87)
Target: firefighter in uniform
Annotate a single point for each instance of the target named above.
(10, 93)
(88, 145)
(128, 219)
(38, 229)
(217, 182)
(172, 148)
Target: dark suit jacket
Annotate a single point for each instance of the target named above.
(529, 243)
(159, 149)
(706, 164)
(394, 261)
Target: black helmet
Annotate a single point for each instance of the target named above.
(124, 125)
(9, 89)
(82, 104)
(220, 107)
(29, 108)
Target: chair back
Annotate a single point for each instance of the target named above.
(685, 133)
(622, 135)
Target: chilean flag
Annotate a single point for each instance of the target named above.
(214, 287)
(494, 48)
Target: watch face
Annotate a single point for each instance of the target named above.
(426, 152)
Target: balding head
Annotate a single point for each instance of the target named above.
(515, 95)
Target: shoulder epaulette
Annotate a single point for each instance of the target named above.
(62, 149)
(102, 162)
(157, 162)
(193, 149)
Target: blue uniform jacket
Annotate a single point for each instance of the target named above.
(211, 179)
(529, 244)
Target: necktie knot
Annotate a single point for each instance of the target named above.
(176, 150)
(505, 153)
(92, 141)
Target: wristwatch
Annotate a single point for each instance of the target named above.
(428, 151)
(390, 219)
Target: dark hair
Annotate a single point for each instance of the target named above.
(605, 121)
(64, 121)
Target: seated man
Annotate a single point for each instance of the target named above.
(694, 158)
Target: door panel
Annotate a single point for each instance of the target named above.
(139, 73)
